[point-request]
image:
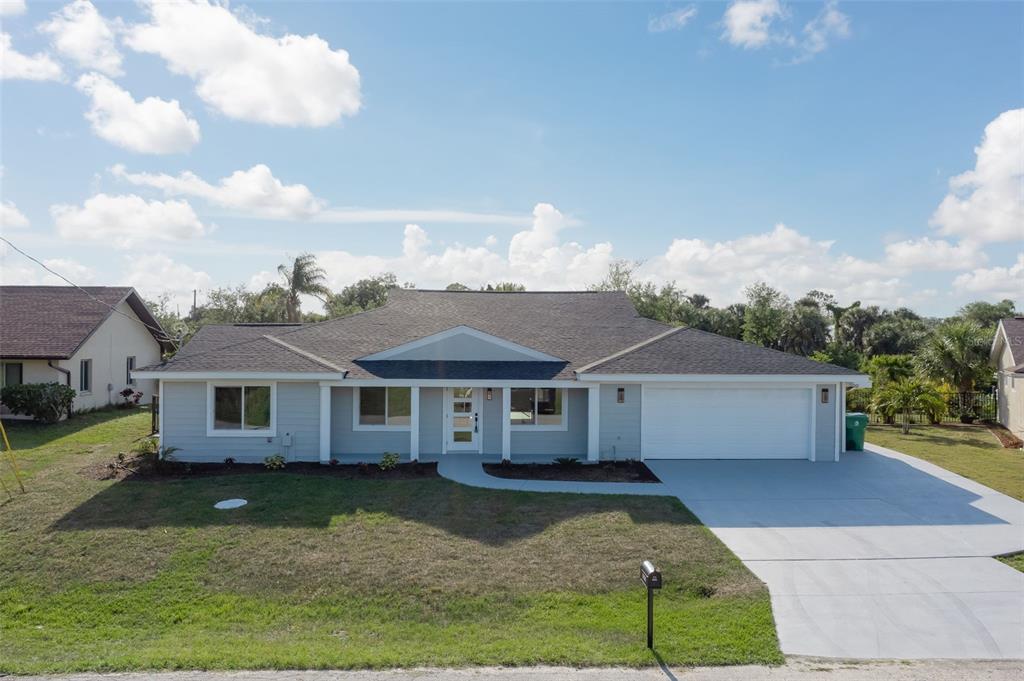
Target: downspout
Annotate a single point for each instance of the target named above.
(66, 372)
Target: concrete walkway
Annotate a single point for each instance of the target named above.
(468, 470)
(794, 670)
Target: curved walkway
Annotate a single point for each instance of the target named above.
(467, 469)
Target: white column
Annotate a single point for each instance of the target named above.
(160, 416)
(837, 404)
(593, 422)
(414, 425)
(842, 416)
(506, 423)
(325, 423)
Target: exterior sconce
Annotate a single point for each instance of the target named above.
(489, 393)
(824, 395)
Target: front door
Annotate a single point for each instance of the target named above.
(463, 419)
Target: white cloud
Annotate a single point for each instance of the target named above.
(293, 80)
(749, 23)
(152, 126)
(127, 221)
(987, 203)
(934, 254)
(80, 32)
(255, 191)
(15, 65)
(995, 283)
(830, 23)
(10, 8)
(11, 217)
(16, 270)
(155, 274)
(672, 21)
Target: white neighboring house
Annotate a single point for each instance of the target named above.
(89, 338)
(1008, 356)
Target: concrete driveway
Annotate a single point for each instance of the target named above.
(878, 556)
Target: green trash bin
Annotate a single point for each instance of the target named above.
(856, 425)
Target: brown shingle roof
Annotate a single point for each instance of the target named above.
(51, 322)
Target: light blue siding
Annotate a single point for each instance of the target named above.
(344, 440)
(571, 442)
(184, 425)
(431, 421)
(825, 424)
(620, 423)
(491, 418)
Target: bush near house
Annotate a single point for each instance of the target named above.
(46, 402)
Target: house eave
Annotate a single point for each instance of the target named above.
(859, 380)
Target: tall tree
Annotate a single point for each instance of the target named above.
(504, 287)
(957, 353)
(456, 286)
(855, 322)
(987, 315)
(804, 329)
(885, 369)
(895, 335)
(364, 294)
(765, 315)
(303, 277)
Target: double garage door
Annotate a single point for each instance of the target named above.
(726, 423)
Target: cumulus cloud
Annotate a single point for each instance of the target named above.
(829, 24)
(672, 21)
(11, 217)
(17, 66)
(10, 8)
(155, 274)
(152, 126)
(995, 283)
(750, 23)
(254, 191)
(757, 24)
(16, 270)
(293, 80)
(987, 203)
(934, 254)
(127, 221)
(80, 33)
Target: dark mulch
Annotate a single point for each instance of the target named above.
(607, 471)
(145, 467)
(1007, 439)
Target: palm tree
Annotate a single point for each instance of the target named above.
(956, 353)
(303, 277)
(906, 397)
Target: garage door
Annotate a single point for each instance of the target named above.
(726, 423)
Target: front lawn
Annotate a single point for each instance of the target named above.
(970, 451)
(324, 572)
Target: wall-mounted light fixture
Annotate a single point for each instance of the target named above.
(490, 393)
(620, 395)
(824, 395)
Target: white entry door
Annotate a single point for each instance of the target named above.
(463, 419)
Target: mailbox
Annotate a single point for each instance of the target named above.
(650, 575)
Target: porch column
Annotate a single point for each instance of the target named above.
(325, 423)
(506, 421)
(593, 422)
(414, 425)
(842, 417)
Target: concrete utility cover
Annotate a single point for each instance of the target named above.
(230, 503)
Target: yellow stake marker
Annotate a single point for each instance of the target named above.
(10, 455)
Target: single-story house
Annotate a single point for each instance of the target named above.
(1008, 356)
(517, 376)
(89, 338)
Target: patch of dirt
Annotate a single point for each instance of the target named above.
(146, 467)
(607, 471)
(1007, 439)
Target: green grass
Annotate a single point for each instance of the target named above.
(322, 572)
(1014, 560)
(970, 451)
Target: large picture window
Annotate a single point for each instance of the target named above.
(242, 409)
(538, 407)
(384, 407)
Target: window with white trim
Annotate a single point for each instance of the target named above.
(85, 376)
(538, 407)
(383, 407)
(242, 407)
(129, 367)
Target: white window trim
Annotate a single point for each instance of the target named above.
(130, 359)
(213, 432)
(538, 428)
(81, 365)
(384, 426)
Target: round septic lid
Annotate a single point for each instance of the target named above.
(230, 503)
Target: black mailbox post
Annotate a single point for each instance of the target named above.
(651, 577)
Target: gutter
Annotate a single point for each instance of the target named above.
(66, 372)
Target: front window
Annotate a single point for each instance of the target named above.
(238, 407)
(13, 374)
(537, 407)
(390, 406)
(85, 376)
(129, 368)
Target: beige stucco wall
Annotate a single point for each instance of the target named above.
(1011, 394)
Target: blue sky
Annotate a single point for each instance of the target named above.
(810, 145)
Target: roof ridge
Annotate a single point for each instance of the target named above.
(304, 353)
(626, 351)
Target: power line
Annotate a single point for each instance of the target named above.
(158, 332)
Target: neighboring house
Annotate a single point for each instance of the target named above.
(505, 375)
(90, 339)
(1008, 356)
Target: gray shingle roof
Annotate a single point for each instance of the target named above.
(51, 322)
(1014, 329)
(690, 351)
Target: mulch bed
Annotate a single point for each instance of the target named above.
(142, 467)
(608, 471)
(1007, 439)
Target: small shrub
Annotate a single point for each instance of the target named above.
(145, 447)
(130, 398)
(389, 461)
(274, 463)
(230, 461)
(46, 402)
(567, 461)
(334, 462)
(966, 414)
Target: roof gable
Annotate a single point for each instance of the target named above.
(1010, 334)
(462, 344)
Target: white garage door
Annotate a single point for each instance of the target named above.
(726, 423)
